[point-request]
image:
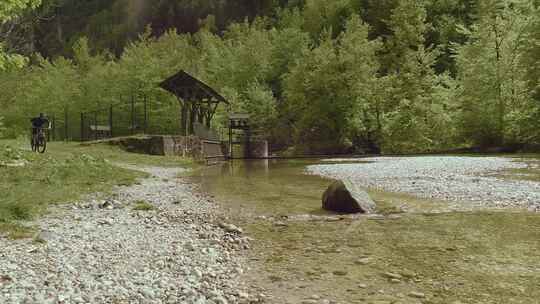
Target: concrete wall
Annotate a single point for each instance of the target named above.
(190, 146)
(182, 146)
(257, 149)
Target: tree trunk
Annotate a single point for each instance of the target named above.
(59, 30)
(501, 109)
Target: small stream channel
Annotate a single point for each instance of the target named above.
(268, 187)
(419, 256)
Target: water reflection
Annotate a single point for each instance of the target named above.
(467, 251)
(265, 186)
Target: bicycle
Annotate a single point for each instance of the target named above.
(38, 140)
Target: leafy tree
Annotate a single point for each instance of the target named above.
(445, 19)
(495, 97)
(320, 15)
(329, 87)
(328, 76)
(8, 10)
(414, 118)
(376, 13)
(530, 124)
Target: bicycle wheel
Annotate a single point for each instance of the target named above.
(42, 145)
(33, 143)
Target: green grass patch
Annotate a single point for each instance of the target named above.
(15, 231)
(116, 154)
(143, 206)
(530, 173)
(29, 182)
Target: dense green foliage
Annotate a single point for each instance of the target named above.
(322, 76)
(10, 9)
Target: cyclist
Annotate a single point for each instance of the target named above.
(38, 123)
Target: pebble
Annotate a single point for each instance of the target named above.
(364, 261)
(418, 295)
(102, 253)
(280, 224)
(392, 275)
(230, 228)
(464, 180)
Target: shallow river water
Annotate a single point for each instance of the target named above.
(265, 186)
(424, 253)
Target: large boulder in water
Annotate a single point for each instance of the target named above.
(345, 197)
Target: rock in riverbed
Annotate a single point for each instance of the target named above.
(534, 207)
(344, 196)
(230, 228)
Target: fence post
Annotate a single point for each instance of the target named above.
(82, 126)
(230, 140)
(95, 125)
(132, 114)
(53, 129)
(145, 115)
(111, 120)
(66, 136)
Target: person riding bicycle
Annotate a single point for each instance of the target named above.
(39, 123)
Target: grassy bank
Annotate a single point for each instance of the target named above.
(30, 182)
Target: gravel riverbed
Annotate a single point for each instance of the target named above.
(103, 251)
(469, 180)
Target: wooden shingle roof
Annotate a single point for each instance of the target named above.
(190, 89)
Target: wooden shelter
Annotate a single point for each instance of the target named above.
(199, 101)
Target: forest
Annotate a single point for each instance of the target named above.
(316, 76)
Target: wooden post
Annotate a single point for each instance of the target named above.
(208, 113)
(200, 115)
(182, 117)
(95, 125)
(186, 121)
(208, 119)
(230, 141)
(111, 120)
(132, 114)
(247, 152)
(192, 118)
(145, 115)
(54, 128)
(82, 126)
(66, 137)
